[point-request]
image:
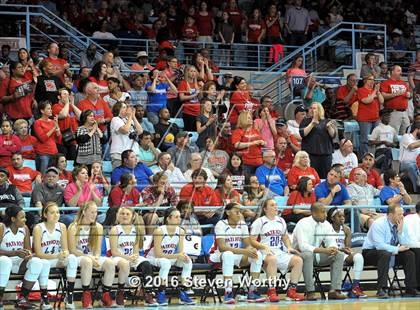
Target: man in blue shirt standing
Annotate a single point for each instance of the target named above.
(271, 176)
(384, 247)
(131, 165)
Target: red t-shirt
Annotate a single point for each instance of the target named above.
(21, 107)
(118, 198)
(22, 178)
(252, 155)
(373, 177)
(102, 86)
(204, 24)
(100, 109)
(68, 122)
(296, 198)
(343, 91)
(367, 112)
(393, 86)
(236, 17)
(191, 107)
(28, 147)
(218, 200)
(296, 173)
(225, 144)
(198, 196)
(286, 161)
(45, 145)
(58, 65)
(254, 31)
(274, 30)
(8, 145)
(239, 102)
(190, 33)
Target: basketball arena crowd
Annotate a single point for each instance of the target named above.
(95, 161)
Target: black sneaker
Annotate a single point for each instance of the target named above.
(22, 303)
(382, 294)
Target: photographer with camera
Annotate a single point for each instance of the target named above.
(125, 130)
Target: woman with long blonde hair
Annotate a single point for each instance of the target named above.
(85, 241)
(126, 240)
(189, 91)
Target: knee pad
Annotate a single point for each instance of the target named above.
(256, 263)
(6, 268)
(165, 267)
(34, 268)
(71, 268)
(227, 263)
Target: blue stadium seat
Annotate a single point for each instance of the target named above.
(105, 201)
(29, 163)
(106, 167)
(281, 200)
(194, 136)
(206, 244)
(27, 201)
(178, 121)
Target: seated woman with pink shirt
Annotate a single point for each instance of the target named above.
(78, 192)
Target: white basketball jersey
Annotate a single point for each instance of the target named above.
(126, 241)
(341, 236)
(270, 232)
(168, 245)
(233, 235)
(83, 240)
(11, 241)
(51, 242)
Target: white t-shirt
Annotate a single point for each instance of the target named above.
(121, 142)
(405, 153)
(293, 128)
(383, 133)
(349, 161)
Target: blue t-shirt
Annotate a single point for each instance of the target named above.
(322, 190)
(389, 192)
(141, 172)
(273, 179)
(157, 100)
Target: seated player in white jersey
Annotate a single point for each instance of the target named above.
(50, 243)
(85, 241)
(16, 257)
(126, 240)
(269, 235)
(233, 247)
(167, 249)
(336, 217)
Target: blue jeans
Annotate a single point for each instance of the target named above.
(41, 162)
(365, 130)
(410, 167)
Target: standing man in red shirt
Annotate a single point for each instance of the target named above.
(396, 93)
(348, 93)
(60, 65)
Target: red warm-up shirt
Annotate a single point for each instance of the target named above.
(198, 196)
(239, 102)
(254, 31)
(343, 91)
(102, 86)
(296, 173)
(285, 162)
(393, 86)
(204, 24)
(8, 145)
(252, 155)
(367, 112)
(191, 107)
(45, 145)
(296, 198)
(118, 198)
(28, 147)
(274, 30)
(100, 109)
(21, 107)
(22, 178)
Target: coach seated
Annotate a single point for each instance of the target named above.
(315, 238)
(385, 246)
(271, 176)
(130, 164)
